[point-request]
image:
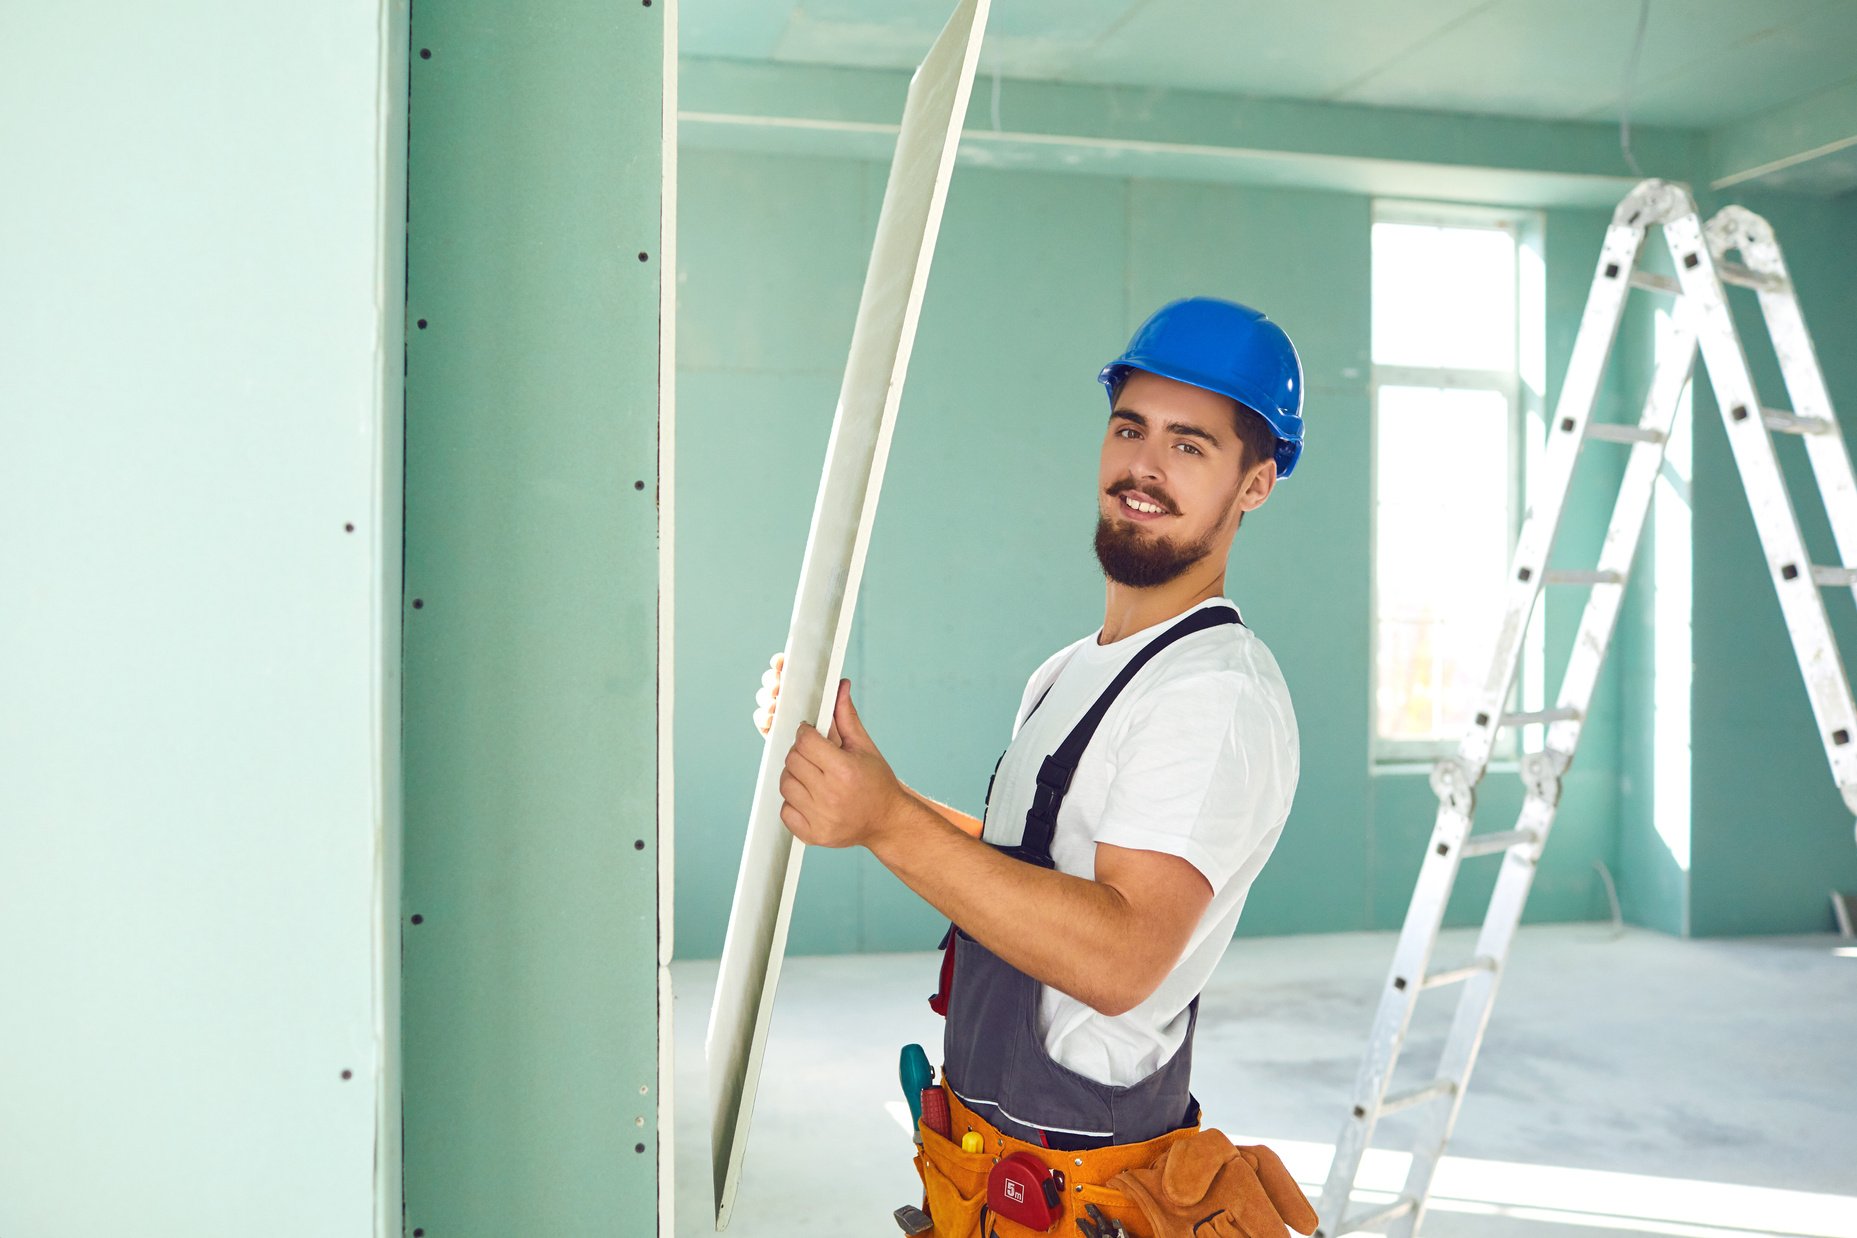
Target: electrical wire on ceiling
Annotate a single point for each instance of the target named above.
(1631, 80)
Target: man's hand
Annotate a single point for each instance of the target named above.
(839, 791)
(767, 700)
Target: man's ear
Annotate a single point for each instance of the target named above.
(1259, 480)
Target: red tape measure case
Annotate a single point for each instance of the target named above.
(1024, 1189)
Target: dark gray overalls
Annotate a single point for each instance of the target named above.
(993, 1056)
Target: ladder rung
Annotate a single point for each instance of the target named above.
(1489, 844)
(1554, 577)
(1834, 576)
(1475, 967)
(1747, 277)
(1612, 432)
(1655, 282)
(1782, 422)
(1378, 1217)
(1417, 1096)
(1536, 717)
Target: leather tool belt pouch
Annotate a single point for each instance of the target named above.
(954, 1183)
(1203, 1187)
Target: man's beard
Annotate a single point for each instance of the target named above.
(1141, 561)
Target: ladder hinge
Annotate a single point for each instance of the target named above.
(1455, 786)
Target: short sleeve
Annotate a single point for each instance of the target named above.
(1203, 769)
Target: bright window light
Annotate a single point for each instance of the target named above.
(1443, 297)
(1448, 318)
(1442, 551)
(1581, 1199)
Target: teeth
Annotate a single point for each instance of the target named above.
(1146, 508)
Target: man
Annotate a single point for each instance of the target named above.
(1149, 776)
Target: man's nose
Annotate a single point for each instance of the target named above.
(1149, 460)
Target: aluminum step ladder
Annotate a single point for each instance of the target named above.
(1702, 319)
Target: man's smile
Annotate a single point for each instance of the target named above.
(1137, 506)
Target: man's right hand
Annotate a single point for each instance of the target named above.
(768, 697)
(767, 700)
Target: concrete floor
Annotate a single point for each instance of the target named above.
(1630, 1083)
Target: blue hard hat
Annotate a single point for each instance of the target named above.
(1228, 348)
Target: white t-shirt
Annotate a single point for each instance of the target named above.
(1197, 758)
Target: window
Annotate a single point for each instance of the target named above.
(1449, 350)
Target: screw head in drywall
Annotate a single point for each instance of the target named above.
(348, 1074)
(419, 603)
(422, 324)
(425, 53)
(419, 919)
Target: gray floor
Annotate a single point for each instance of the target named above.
(1630, 1083)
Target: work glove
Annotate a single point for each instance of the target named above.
(1203, 1187)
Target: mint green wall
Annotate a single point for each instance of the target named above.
(531, 936)
(199, 654)
(1567, 886)
(1770, 835)
(980, 563)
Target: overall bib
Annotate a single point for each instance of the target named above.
(1003, 1082)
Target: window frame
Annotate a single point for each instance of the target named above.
(1524, 413)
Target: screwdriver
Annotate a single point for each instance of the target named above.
(917, 1074)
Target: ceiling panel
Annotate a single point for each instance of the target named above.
(1781, 59)
(1277, 48)
(1566, 59)
(1025, 38)
(1705, 62)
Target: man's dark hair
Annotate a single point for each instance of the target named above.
(1258, 440)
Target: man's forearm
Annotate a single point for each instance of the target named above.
(970, 826)
(1080, 937)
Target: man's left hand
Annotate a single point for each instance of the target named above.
(839, 791)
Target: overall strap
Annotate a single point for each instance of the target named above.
(1061, 766)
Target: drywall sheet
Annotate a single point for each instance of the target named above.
(830, 570)
(536, 413)
(199, 659)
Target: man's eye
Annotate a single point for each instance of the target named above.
(1125, 432)
(1188, 447)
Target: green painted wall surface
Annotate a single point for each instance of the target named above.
(1653, 880)
(1767, 836)
(199, 655)
(980, 564)
(531, 634)
(1771, 837)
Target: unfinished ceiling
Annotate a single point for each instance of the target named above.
(1704, 63)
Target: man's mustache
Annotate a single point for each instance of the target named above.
(1159, 496)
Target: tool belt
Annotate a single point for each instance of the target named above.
(1188, 1183)
(954, 1183)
